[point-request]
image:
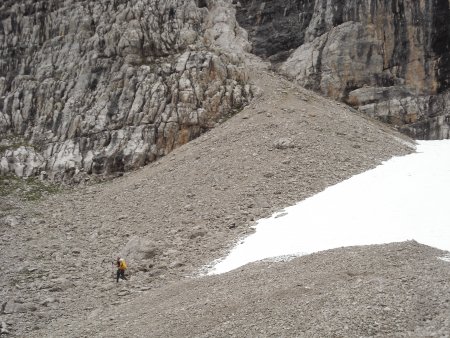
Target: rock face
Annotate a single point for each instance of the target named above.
(275, 27)
(389, 58)
(107, 86)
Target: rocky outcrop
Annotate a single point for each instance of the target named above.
(101, 87)
(389, 58)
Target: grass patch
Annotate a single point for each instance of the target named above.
(13, 143)
(29, 189)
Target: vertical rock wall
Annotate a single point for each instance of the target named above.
(275, 27)
(106, 86)
(390, 58)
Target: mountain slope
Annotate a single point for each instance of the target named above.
(185, 210)
(373, 291)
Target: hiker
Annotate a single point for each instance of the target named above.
(121, 267)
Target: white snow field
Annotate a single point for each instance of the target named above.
(405, 198)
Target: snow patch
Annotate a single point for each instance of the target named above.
(402, 199)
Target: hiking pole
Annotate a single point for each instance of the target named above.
(112, 265)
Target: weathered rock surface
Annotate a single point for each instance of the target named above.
(107, 86)
(389, 58)
(275, 28)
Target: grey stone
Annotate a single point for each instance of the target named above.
(3, 328)
(49, 300)
(13, 307)
(139, 248)
(61, 284)
(284, 143)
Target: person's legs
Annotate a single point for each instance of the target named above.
(118, 275)
(122, 274)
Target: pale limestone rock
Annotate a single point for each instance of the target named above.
(112, 88)
(23, 161)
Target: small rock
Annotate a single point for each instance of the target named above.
(49, 300)
(10, 221)
(43, 175)
(61, 284)
(284, 143)
(197, 233)
(176, 264)
(123, 293)
(94, 313)
(12, 307)
(4, 328)
(37, 327)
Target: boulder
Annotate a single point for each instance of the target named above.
(139, 249)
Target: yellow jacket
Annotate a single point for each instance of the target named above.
(122, 265)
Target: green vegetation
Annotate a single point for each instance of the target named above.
(30, 189)
(14, 145)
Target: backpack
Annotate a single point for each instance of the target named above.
(123, 265)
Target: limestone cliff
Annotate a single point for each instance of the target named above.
(109, 85)
(390, 58)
